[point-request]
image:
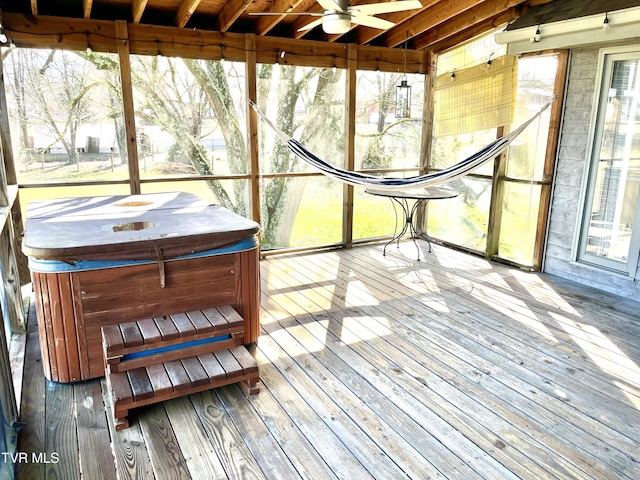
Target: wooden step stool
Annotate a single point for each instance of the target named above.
(157, 359)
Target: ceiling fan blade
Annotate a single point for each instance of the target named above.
(372, 22)
(311, 25)
(387, 7)
(311, 14)
(330, 5)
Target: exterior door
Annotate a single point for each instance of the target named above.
(610, 225)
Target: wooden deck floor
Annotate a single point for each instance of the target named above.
(381, 367)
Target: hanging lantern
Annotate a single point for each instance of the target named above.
(403, 91)
(403, 99)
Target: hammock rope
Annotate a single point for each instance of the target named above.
(448, 174)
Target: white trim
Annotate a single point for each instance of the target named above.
(586, 173)
(623, 24)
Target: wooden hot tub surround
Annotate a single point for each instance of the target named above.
(103, 261)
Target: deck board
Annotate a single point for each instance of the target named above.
(165, 453)
(32, 410)
(232, 451)
(199, 453)
(94, 443)
(129, 449)
(377, 366)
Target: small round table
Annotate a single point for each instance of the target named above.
(402, 198)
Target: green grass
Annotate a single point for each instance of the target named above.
(319, 218)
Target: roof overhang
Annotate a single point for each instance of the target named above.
(622, 25)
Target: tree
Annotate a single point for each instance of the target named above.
(316, 90)
(53, 94)
(214, 82)
(383, 85)
(60, 91)
(16, 72)
(176, 95)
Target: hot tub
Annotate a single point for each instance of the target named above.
(99, 261)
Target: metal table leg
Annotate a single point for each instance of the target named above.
(408, 219)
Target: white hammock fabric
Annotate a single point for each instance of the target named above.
(453, 172)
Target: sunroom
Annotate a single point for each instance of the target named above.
(502, 342)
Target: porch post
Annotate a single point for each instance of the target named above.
(122, 36)
(349, 143)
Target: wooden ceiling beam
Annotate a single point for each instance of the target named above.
(185, 10)
(86, 8)
(73, 34)
(428, 18)
(445, 42)
(265, 23)
(466, 20)
(231, 12)
(137, 9)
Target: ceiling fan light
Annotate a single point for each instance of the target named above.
(336, 23)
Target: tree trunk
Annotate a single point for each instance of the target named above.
(213, 80)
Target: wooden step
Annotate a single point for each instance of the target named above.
(163, 381)
(132, 345)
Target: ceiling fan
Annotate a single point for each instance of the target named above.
(338, 15)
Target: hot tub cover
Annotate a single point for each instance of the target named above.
(130, 227)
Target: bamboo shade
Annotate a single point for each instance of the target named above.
(475, 98)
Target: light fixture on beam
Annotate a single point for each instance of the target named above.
(536, 36)
(573, 32)
(403, 92)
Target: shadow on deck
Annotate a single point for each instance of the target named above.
(380, 367)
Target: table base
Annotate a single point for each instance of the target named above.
(409, 214)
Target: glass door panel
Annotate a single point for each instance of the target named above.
(608, 235)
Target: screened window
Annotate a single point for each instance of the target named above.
(525, 160)
(384, 144)
(307, 104)
(481, 94)
(463, 73)
(190, 122)
(66, 116)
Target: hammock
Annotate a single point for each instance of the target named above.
(453, 172)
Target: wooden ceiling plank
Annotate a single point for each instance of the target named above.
(458, 38)
(303, 21)
(265, 23)
(137, 9)
(429, 18)
(231, 12)
(185, 10)
(86, 8)
(484, 14)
